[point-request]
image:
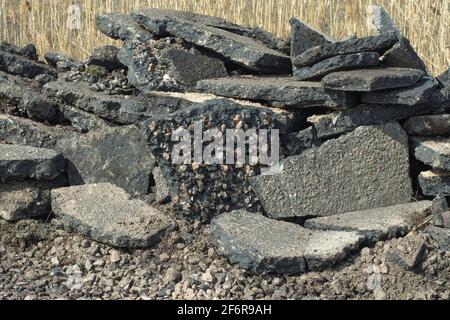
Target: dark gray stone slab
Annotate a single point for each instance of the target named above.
(304, 37)
(23, 162)
(266, 246)
(105, 56)
(337, 123)
(81, 120)
(22, 66)
(434, 183)
(379, 43)
(441, 236)
(429, 125)
(118, 108)
(365, 80)
(121, 27)
(417, 94)
(20, 131)
(248, 53)
(254, 33)
(105, 213)
(434, 152)
(337, 63)
(403, 55)
(115, 155)
(280, 92)
(375, 225)
(17, 96)
(364, 169)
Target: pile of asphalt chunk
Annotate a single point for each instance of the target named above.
(26, 176)
(362, 126)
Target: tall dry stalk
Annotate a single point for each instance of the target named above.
(44, 22)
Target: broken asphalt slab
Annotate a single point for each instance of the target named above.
(366, 80)
(105, 213)
(433, 151)
(23, 162)
(375, 225)
(280, 92)
(263, 245)
(364, 169)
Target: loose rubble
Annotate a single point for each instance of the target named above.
(92, 191)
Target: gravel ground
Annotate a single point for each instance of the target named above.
(38, 261)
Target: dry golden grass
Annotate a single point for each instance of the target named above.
(44, 22)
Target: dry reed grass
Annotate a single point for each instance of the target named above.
(425, 22)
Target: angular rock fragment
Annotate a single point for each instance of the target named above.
(23, 162)
(27, 199)
(379, 44)
(20, 131)
(82, 120)
(120, 109)
(297, 142)
(441, 236)
(409, 251)
(304, 37)
(434, 152)
(29, 51)
(162, 189)
(22, 204)
(364, 169)
(114, 155)
(444, 78)
(22, 66)
(340, 122)
(337, 63)
(106, 214)
(61, 62)
(403, 55)
(121, 27)
(375, 225)
(248, 53)
(197, 187)
(106, 57)
(18, 97)
(417, 94)
(280, 92)
(381, 20)
(168, 65)
(429, 125)
(372, 79)
(434, 183)
(263, 245)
